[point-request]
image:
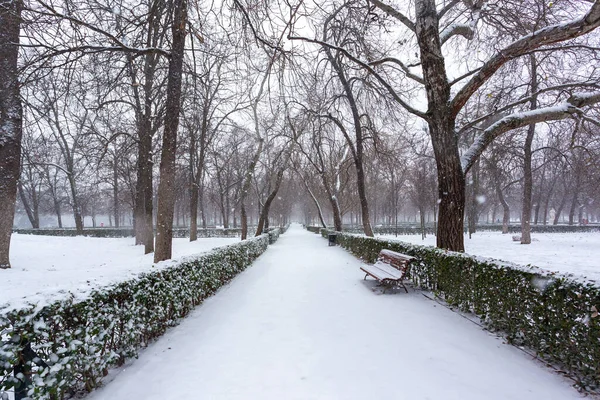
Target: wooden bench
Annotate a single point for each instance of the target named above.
(390, 269)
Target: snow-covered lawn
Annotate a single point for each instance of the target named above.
(302, 324)
(575, 253)
(46, 268)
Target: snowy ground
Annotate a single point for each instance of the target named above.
(302, 324)
(45, 268)
(576, 253)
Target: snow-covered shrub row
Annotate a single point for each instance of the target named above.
(129, 232)
(314, 229)
(547, 312)
(81, 341)
(274, 234)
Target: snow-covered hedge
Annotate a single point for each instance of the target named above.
(81, 341)
(551, 313)
(314, 229)
(129, 232)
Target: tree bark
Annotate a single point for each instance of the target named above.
(144, 195)
(263, 221)
(77, 214)
(314, 199)
(166, 187)
(116, 192)
(502, 199)
(197, 173)
(527, 156)
(441, 122)
(358, 132)
(30, 209)
(11, 121)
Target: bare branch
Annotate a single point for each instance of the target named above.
(404, 68)
(366, 66)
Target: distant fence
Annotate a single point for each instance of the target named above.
(416, 230)
(129, 232)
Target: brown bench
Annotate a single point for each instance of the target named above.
(390, 269)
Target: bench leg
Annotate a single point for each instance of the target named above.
(405, 289)
(365, 277)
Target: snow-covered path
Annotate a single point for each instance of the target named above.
(302, 324)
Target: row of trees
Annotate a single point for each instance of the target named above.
(368, 107)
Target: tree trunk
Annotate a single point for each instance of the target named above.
(193, 213)
(574, 203)
(451, 188)
(116, 192)
(527, 170)
(166, 188)
(473, 204)
(11, 121)
(55, 201)
(32, 214)
(201, 201)
(246, 187)
(505, 208)
(560, 208)
(358, 132)
(527, 187)
(314, 199)
(451, 179)
(75, 205)
(143, 203)
(263, 221)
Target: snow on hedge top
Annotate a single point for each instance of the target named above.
(47, 268)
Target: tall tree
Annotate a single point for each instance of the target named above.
(11, 121)
(166, 194)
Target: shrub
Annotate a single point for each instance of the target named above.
(552, 313)
(80, 341)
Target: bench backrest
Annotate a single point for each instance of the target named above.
(397, 260)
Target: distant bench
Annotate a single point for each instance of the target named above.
(390, 269)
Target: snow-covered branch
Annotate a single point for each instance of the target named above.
(570, 108)
(526, 44)
(465, 30)
(392, 12)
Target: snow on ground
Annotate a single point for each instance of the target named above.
(45, 268)
(575, 253)
(302, 324)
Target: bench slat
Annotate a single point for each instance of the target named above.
(395, 255)
(377, 273)
(390, 270)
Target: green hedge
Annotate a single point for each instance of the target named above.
(81, 341)
(129, 232)
(551, 313)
